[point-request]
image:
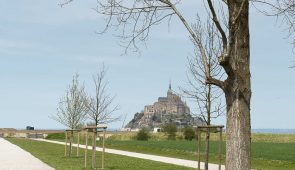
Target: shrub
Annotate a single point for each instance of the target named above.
(179, 137)
(189, 133)
(170, 130)
(143, 134)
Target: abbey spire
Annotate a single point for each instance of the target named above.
(169, 92)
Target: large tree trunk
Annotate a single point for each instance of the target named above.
(238, 88)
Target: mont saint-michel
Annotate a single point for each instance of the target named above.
(169, 109)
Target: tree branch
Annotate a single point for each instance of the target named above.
(216, 82)
(217, 23)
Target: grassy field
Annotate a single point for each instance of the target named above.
(256, 137)
(53, 155)
(264, 155)
(269, 151)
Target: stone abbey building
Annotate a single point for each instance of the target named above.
(169, 109)
(172, 104)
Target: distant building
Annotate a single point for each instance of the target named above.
(30, 128)
(125, 129)
(172, 104)
(169, 109)
(156, 130)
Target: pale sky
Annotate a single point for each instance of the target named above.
(42, 46)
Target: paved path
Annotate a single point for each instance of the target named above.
(13, 157)
(175, 161)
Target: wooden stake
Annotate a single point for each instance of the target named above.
(66, 142)
(199, 145)
(86, 148)
(93, 150)
(71, 143)
(103, 149)
(196, 135)
(78, 142)
(220, 148)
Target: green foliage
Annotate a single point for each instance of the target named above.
(136, 118)
(156, 118)
(189, 133)
(143, 134)
(170, 130)
(56, 136)
(179, 137)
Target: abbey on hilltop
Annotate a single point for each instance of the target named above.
(172, 104)
(169, 109)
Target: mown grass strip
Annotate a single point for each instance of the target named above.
(53, 155)
(268, 151)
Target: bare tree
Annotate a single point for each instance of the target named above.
(207, 97)
(283, 10)
(141, 15)
(71, 111)
(286, 10)
(101, 106)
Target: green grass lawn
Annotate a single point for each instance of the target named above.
(269, 151)
(53, 155)
(265, 155)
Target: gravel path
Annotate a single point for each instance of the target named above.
(175, 161)
(13, 157)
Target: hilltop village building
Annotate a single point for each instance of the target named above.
(169, 109)
(171, 104)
